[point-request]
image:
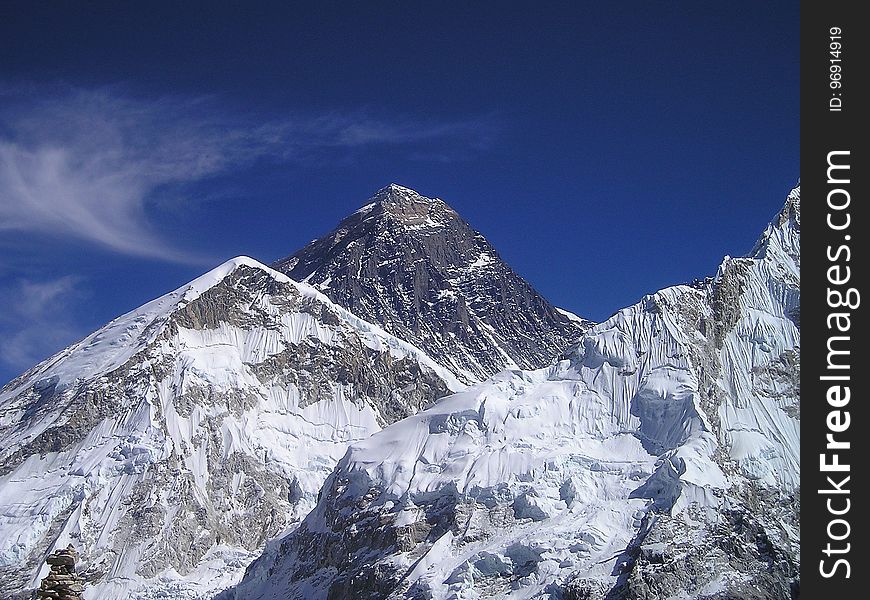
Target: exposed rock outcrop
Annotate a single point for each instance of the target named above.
(414, 266)
(62, 582)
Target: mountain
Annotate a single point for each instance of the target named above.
(169, 446)
(658, 459)
(414, 266)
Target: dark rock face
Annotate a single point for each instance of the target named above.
(62, 582)
(414, 266)
(754, 565)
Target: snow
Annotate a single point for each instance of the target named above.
(92, 480)
(582, 451)
(481, 261)
(572, 316)
(364, 209)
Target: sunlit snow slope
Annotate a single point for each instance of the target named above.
(659, 459)
(171, 444)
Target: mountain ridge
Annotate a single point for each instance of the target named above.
(183, 439)
(172, 443)
(414, 265)
(660, 457)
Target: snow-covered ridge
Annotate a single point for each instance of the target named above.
(575, 318)
(115, 343)
(171, 444)
(629, 468)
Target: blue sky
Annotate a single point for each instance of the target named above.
(605, 149)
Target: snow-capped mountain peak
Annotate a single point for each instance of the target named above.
(115, 343)
(656, 457)
(395, 206)
(782, 236)
(171, 444)
(414, 265)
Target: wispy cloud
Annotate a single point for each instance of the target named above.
(89, 164)
(405, 131)
(35, 320)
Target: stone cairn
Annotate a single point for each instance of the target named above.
(62, 583)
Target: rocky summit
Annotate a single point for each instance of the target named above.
(414, 266)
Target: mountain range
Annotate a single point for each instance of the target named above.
(393, 412)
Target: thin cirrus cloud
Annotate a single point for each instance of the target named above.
(88, 164)
(34, 321)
